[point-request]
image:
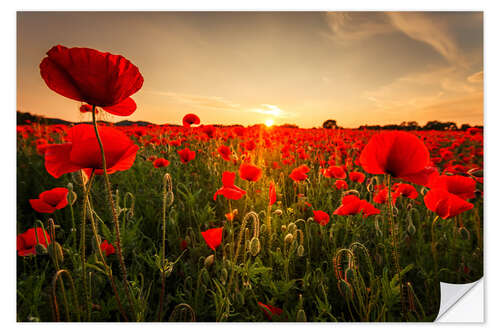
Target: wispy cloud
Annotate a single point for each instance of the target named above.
(476, 77)
(352, 26)
(221, 104)
(357, 26)
(421, 27)
(199, 101)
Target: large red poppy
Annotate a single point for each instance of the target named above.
(250, 172)
(399, 154)
(213, 237)
(26, 241)
(445, 204)
(94, 77)
(83, 151)
(464, 187)
(50, 201)
(228, 189)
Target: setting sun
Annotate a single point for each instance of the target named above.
(269, 122)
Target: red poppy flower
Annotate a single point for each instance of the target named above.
(352, 205)
(107, 248)
(160, 163)
(50, 201)
(270, 310)
(93, 77)
(186, 155)
(445, 204)
(190, 119)
(399, 154)
(26, 241)
(382, 195)
(464, 187)
(250, 172)
(341, 184)
(86, 108)
(405, 190)
(83, 152)
(272, 193)
(357, 177)
(335, 172)
(213, 237)
(225, 152)
(228, 189)
(321, 217)
(300, 173)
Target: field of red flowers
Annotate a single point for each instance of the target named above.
(233, 223)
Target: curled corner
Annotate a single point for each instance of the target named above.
(451, 302)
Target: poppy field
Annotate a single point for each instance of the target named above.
(203, 222)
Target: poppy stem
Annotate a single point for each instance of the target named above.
(395, 245)
(86, 190)
(107, 269)
(113, 212)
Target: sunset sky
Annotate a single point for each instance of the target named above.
(290, 67)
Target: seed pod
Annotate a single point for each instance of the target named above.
(301, 316)
(209, 261)
(254, 246)
(411, 229)
(56, 252)
(300, 250)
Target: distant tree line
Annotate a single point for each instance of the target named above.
(408, 126)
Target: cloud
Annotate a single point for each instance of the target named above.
(201, 102)
(476, 77)
(356, 26)
(351, 26)
(436, 33)
(221, 104)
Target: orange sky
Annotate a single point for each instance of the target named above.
(291, 67)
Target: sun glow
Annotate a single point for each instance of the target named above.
(269, 122)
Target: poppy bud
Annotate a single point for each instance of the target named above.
(349, 275)
(301, 316)
(254, 246)
(209, 261)
(300, 250)
(56, 252)
(263, 228)
(291, 227)
(283, 228)
(346, 289)
(464, 233)
(411, 228)
(288, 238)
(223, 276)
(278, 212)
(40, 249)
